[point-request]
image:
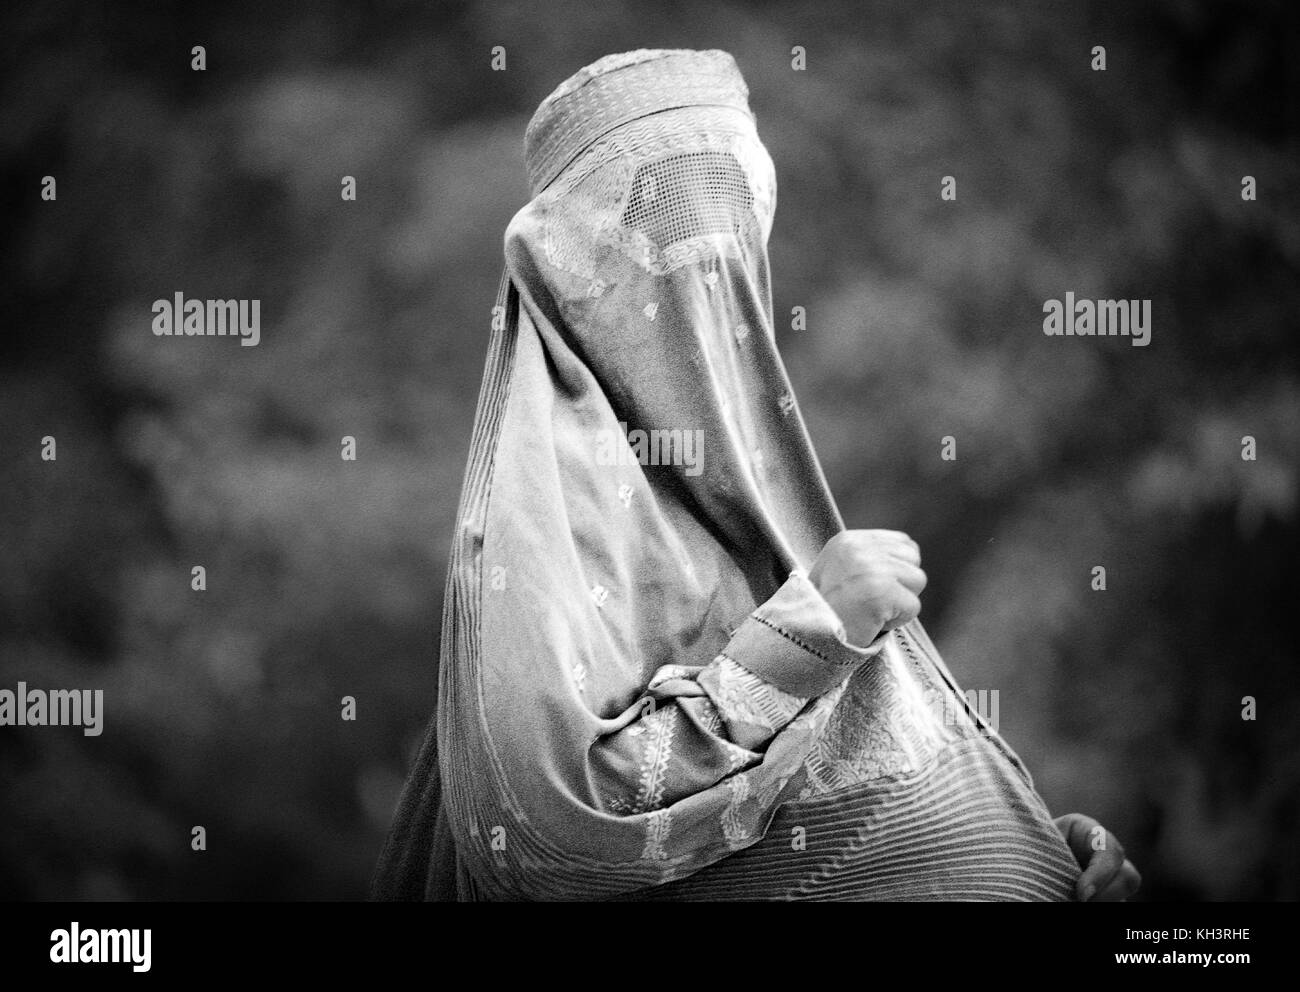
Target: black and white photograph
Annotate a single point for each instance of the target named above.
(583, 452)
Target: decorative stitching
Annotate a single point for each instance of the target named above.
(733, 828)
(654, 767)
(745, 698)
(658, 826)
(796, 641)
(598, 188)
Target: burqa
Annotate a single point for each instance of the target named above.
(641, 695)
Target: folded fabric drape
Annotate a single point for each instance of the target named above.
(641, 695)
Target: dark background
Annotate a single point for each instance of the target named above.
(924, 320)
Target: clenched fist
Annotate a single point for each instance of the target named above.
(872, 579)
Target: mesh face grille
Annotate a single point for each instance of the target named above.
(677, 188)
(686, 196)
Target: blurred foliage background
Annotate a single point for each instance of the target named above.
(924, 320)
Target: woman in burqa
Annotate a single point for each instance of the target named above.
(667, 670)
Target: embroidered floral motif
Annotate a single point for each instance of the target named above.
(658, 826)
(815, 716)
(738, 757)
(733, 829)
(742, 696)
(658, 748)
(881, 728)
(710, 719)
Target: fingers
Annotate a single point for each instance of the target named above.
(1074, 828)
(892, 542)
(872, 579)
(898, 545)
(1100, 871)
(904, 604)
(1083, 835)
(891, 534)
(1124, 884)
(911, 578)
(907, 608)
(1107, 875)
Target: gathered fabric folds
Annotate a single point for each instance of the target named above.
(641, 695)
